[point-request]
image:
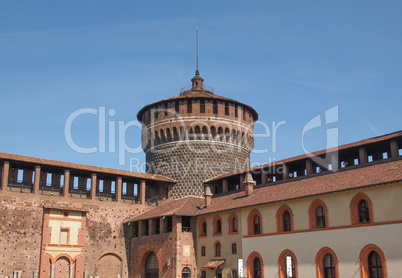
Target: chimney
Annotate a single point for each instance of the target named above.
(207, 195)
(249, 184)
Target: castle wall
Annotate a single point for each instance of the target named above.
(174, 249)
(22, 218)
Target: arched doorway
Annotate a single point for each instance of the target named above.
(152, 266)
(186, 273)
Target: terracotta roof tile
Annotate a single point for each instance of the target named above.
(317, 153)
(83, 167)
(373, 174)
(187, 206)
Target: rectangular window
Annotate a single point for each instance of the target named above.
(155, 224)
(236, 111)
(166, 109)
(177, 107)
(215, 107)
(185, 223)
(234, 248)
(244, 114)
(203, 251)
(189, 107)
(135, 229)
(202, 106)
(64, 236)
(145, 225)
(226, 109)
(168, 223)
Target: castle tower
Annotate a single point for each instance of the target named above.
(196, 136)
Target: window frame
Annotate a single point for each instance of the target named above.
(201, 223)
(250, 222)
(354, 208)
(313, 214)
(234, 248)
(217, 220)
(250, 264)
(218, 249)
(233, 217)
(280, 224)
(282, 263)
(319, 262)
(363, 259)
(203, 251)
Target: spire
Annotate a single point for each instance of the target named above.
(197, 80)
(197, 72)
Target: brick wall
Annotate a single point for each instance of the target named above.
(21, 219)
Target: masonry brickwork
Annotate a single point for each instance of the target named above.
(21, 232)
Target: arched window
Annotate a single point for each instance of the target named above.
(202, 228)
(284, 257)
(374, 265)
(254, 222)
(329, 266)
(318, 215)
(217, 225)
(364, 216)
(257, 268)
(233, 224)
(197, 132)
(284, 219)
(234, 273)
(361, 209)
(257, 225)
(152, 266)
(372, 262)
(217, 249)
(186, 273)
(327, 263)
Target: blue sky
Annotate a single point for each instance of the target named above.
(290, 60)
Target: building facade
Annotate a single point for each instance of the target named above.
(200, 210)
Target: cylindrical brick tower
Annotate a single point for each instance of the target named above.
(196, 136)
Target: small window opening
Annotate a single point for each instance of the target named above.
(215, 107)
(202, 106)
(185, 223)
(189, 107)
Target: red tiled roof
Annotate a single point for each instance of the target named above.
(374, 174)
(317, 153)
(83, 167)
(185, 206)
